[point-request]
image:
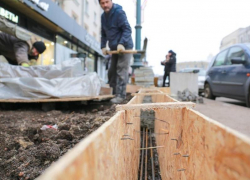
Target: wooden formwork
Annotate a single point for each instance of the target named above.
(108, 153)
(195, 148)
(200, 148)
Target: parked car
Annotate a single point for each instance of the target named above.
(201, 76)
(229, 74)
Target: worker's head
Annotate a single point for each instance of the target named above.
(38, 48)
(106, 5)
(170, 52)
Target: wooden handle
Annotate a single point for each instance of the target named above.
(126, 52)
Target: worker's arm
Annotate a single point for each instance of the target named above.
(163, 62)
(104, 37)
(171, 61)
(21, 52)
(125, 27)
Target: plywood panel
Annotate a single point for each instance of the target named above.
(132, 88)
(213, 151)
(155, 106)
(86, 98)
(103, 155)
(155, 89)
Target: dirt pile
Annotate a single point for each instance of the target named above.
(26, 150)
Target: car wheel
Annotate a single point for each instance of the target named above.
(248, 98)
(208, 92)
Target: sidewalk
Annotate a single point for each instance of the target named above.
(234, 116)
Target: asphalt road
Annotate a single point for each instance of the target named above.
(229, 112)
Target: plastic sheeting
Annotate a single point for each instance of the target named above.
(70, 68)
(40, 82)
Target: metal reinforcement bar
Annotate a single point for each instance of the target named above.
(195, 147)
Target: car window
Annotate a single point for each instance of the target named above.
(235, 52)
(220, 59)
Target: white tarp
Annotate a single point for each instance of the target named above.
(37, 82)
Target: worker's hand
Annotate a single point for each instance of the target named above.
(104, 51)
(33, 62)
(120, 48)
(25, 65)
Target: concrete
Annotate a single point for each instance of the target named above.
(231, 113)
(182, 81)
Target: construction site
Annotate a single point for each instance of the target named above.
(74, 115)
(150, 136)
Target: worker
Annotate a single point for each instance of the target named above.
(116, 30)
(19, 52)
(170, 66)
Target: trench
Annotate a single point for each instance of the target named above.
(149, 168)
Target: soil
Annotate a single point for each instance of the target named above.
(26, 150)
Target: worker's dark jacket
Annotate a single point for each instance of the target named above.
(13, 49)
(116, 29)
(170, 66)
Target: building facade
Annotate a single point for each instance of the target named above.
(61, 25)
(192, 64)
(87, 13)
(241, 35)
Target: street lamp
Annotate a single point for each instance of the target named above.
(137, 57)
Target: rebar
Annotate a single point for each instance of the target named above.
(146, 156)
(142, 156)
(152, 157)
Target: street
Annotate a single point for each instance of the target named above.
(229, 112)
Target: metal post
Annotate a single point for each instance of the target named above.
(137, 57)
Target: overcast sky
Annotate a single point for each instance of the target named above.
(192, 28)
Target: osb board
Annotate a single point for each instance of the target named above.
(162, 98)
(103, 155)
(215, 152)
(87, 98)
(132, 88)
(155, 106)
(106, 91)
(165, 90)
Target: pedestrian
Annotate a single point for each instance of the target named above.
(116, 31)
(170, 66)
(20, 52)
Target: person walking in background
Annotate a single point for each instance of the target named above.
(170, 66)
(116, 30)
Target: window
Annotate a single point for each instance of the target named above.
(74, 16)
(86, 27)
(241, 39)
(220, 59)
(76, 2)
(87, 7)
(235, 52)
(95, 18)
(59, 3)
(94, 35)
(248, 45)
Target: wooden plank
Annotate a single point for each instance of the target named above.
(155, 89)
(106, 91)
(87, 98)
(200, 148)
(148, 94)
(132, 88)
(168, 105)
(103, 155)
